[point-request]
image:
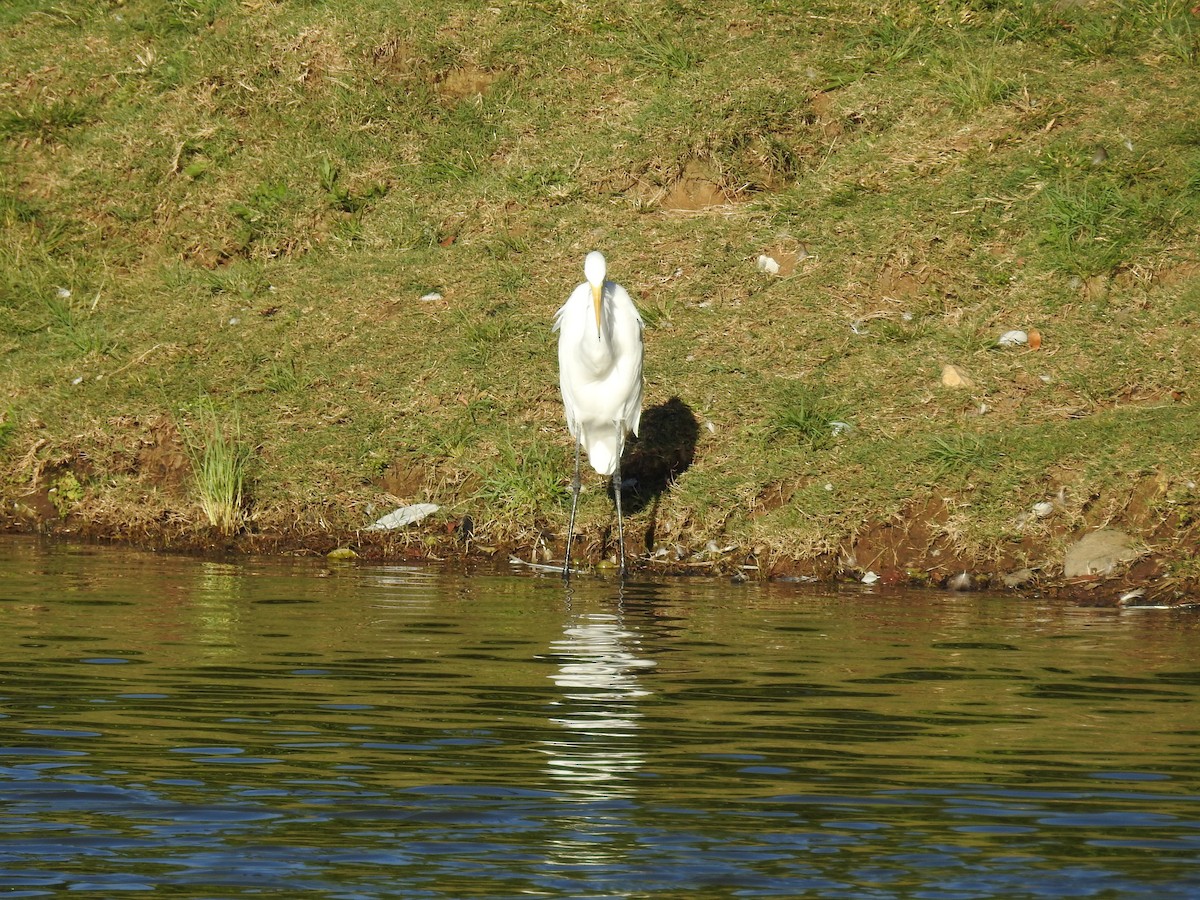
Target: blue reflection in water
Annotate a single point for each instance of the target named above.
(403, 732)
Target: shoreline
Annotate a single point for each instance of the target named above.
(1141, 582)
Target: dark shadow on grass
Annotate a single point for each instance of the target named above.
(662, 451)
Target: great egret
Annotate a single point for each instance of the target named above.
(600, 373)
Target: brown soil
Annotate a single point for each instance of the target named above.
(696, 188)
(915, 548)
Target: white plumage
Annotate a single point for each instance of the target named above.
(600, 373)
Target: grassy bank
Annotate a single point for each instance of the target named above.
(335, 234)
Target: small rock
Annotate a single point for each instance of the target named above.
(431, 297)
(767, 264)
(405, 515)
(1043, 509)
(955, 377)
(1099, 553)
(341, 553)
(959, 582)
(1013, 339)
(869, 578)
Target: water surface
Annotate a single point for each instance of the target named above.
(208, 728)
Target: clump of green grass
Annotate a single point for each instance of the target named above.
(886, 43)
(76, 322)
(46, 120)
(341, 197)
(805, 416)
(975, 80)
(219, 465)
(958, 454)
(663, 51)
(261, 216)
(1088, 225)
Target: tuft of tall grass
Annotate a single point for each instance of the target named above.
(974, 81)
(958, 454)
(663, 51)
(804, 416)
(219, 466)
(68, 319)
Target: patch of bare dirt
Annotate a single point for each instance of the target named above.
(914, 546)
(831, 122)
(1177, 273)
(465, 82)
(899, 283)
(161, 457)
(396, 60)
(698, 187)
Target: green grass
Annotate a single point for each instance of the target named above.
(219, 464)
(250, 201)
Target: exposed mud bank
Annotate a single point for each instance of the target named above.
(911, 552)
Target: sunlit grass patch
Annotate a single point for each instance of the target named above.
(523, 480)
(350, 224)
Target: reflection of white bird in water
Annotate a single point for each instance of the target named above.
(600, 372)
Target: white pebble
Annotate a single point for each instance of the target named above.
(767, 264)
(1013, 339)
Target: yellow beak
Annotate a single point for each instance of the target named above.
(596, 294)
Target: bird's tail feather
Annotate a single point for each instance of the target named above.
(602, 454)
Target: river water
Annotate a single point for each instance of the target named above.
(201, 728)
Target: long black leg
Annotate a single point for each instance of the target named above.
(617, 499)
(566, 573)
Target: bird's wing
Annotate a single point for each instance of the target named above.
(630, 357)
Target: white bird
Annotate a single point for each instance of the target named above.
(600, 373)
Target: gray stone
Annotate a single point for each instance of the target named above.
(1098, 553)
